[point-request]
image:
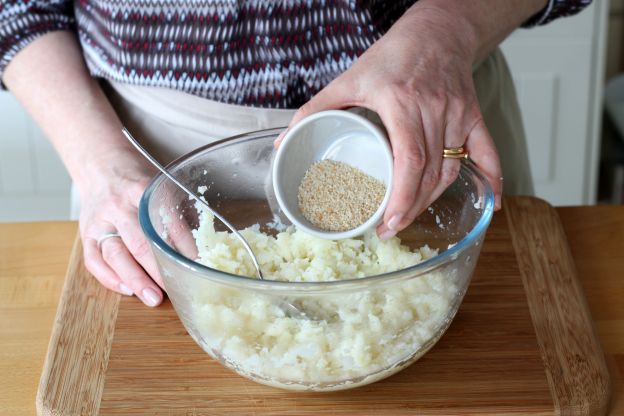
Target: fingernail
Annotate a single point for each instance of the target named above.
(125, 290)
(280, 138)
(393, 223)
(150, 297)
(497, 202)
(387, 235)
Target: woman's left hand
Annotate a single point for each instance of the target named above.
(418, 78)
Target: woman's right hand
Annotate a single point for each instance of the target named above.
(49, 77)
(109, 204)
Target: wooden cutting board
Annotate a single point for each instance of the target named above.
(522, 342)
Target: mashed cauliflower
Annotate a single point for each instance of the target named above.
(354, 337)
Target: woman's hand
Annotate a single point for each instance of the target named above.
(109, 204)
(50, 79)
(418, 78)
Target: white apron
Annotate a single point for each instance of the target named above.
(171, 123)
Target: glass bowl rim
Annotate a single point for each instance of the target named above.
(206, 272)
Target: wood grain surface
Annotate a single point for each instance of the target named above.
(488, 362)
(73, 374)
(595, 235)
(573, 358)
(33, 259)
(33, 264)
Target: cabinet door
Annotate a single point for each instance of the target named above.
(558, 72)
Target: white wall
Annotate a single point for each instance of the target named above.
(33, 182)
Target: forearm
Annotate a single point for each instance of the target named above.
(479, 24)
(50, 79)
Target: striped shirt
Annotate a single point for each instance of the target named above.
(268, 53)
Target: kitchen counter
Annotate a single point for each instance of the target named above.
(33, 261)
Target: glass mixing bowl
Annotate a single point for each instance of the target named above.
(359, 329)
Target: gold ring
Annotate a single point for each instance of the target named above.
(455, 153)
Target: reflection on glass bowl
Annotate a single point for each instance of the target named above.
(373, 307)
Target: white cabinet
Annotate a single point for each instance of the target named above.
(558, 72)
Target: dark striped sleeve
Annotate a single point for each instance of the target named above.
(555, 9)
(22, 21)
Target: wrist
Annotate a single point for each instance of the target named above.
(447, 20)
(114, 167)
(479, 25)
